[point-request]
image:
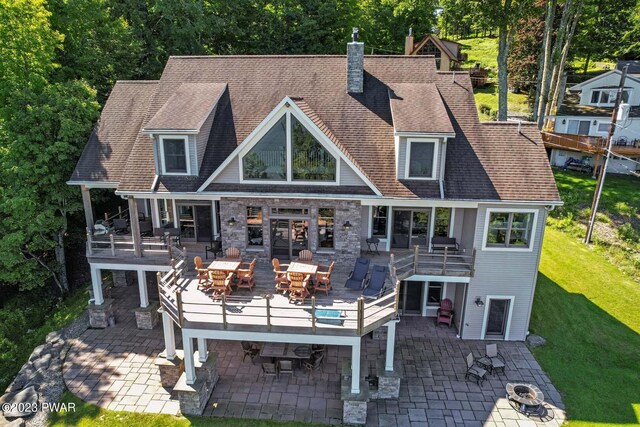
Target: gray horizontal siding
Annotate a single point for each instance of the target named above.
(503, 273)
(402, 157)
(348, 176)
(230, 174)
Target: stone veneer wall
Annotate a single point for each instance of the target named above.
(346, 242)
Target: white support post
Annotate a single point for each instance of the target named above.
(169, 336)
(142, 288)
(155, 214)
(176, 217)
(214, 216)
(391, 341)
(96, 282)
(355, 368)
(203, 353)
(189, 365)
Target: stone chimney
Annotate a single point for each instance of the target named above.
(355, 65)
(408, 43)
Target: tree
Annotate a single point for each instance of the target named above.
(98, 46)
(522, 59)
(42, 135)
(544, 61)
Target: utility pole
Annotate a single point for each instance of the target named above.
(603, 169)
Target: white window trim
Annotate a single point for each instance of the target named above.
(435, 143)
(509, 248)
(163, 168)
(289, 150)
(612, 103)
(485, 317)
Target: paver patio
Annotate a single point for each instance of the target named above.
(113, 368)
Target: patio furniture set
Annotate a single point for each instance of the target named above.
(225, 273)
(281, 356)
(302, 277)
(491, 362)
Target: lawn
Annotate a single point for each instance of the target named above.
(88, 415)
(587, 309)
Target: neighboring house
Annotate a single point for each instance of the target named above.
(581, 125)
(276, 154)
(448, 54)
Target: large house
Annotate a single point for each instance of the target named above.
(580, 127)
(277, 154)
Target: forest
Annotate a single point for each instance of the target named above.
(60, 58)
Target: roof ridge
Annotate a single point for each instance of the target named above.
(408, 57)
(137, 81)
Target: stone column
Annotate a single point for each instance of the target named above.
(96, 283)
(189, 365)
(88, 210)
(355, 368)
(119, 278)
(142, 288)
(203, 353)
(391, 340)
(169, 336)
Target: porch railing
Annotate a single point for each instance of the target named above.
(264, 313)
(122, 245)
(445, 263)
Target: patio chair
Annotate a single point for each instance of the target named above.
(445, 312)
(375, 286)
(322, 281)
(220, 283)
(146, 228)
(232, 252)
(475, 371)
(215, 247)
(305, 255)
(202, 273)
(496, 359)
(358, 274)
(285, 367)
(282, 282)
(250, 350)
(298, 283)
(269, 370)
(246, 276)
(121, 225)
(314, 363)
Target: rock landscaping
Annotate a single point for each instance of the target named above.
(40, 378)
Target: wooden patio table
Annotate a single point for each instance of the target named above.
(228, 265)
(303, 267)
(285, 350)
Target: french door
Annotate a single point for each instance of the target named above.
(410, 300)
(289, 237)
(410, 228)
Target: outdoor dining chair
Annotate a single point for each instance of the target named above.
(298, 283)
(269, 370)
(285, 367)
(232, 253)
(495, 358)
(202, 273)
(305, 255)
(445, 312)
(121, 225)
(246, 276)
(475, 371)
(220, 283)
(282, 282)
(358, 274)
(322, 281)
(313, 364)
(249, 349)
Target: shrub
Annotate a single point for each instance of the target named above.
(628, 233)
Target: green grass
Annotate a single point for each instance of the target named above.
(587, 309)
(88, 415)
(485, 52)
(617, 231)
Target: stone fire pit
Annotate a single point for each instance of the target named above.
(525, 398)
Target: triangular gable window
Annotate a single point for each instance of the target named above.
(289, 152)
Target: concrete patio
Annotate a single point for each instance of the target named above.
(114, 368)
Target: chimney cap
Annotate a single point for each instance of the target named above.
(354, 34)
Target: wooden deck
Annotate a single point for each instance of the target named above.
(264, 310)
(589, 144)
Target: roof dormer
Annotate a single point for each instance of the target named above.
(180, 128)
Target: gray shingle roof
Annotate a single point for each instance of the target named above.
(360, 124)
(411, 102)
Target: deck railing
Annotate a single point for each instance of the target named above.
(443, 263)
(266, 313)
(112, 245)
